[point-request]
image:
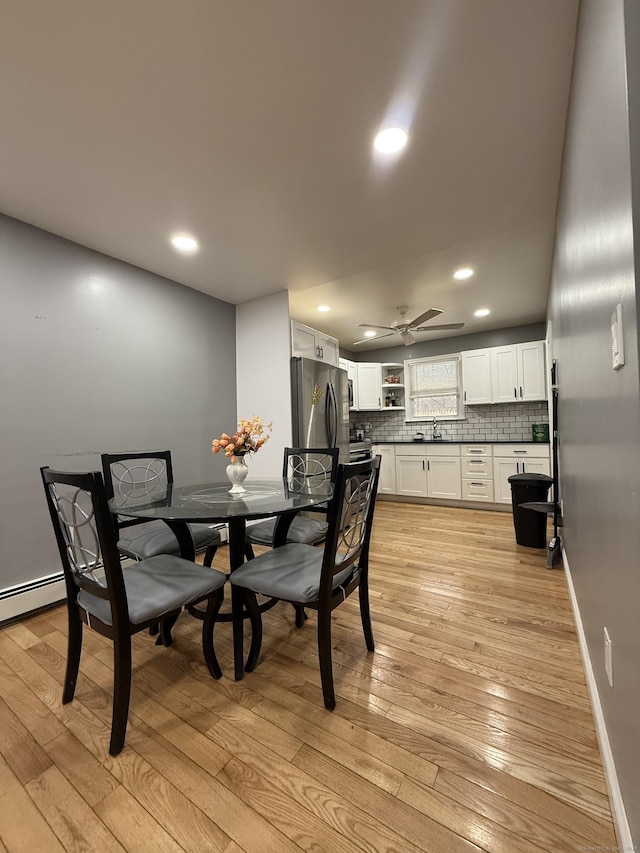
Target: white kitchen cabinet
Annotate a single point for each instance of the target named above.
(310, 343)
(476, 376)
(431, 471)
(411, 475)
(477, 472)
(369, 385)
(518, 373)
(443, 477)
(387, 482)
(352, 377)
(511, 459)
(509, 374)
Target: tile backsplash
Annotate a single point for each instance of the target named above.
(497, 422)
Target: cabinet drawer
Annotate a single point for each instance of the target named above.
(475, 450)
(477, 467)
(411, 450)
(521, 451)
(477, 490)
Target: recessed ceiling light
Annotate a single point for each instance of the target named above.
(391, 140)
(482, 312)
(184, 243)
(463, 273)
(323, 308)
(370, 334)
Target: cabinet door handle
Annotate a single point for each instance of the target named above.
(476, 484)
(428, 465)
(521, 390)
(519, 451)
(515, 392)
(474, 451)
(476, 462)
(465, 396)
(423, 465)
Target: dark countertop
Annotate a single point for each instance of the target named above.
(462, 441)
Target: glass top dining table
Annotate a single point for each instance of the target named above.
(177, 505)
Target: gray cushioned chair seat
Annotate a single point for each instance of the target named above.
(291, 572)
(154, 537)
(303, 530)
(155, 587)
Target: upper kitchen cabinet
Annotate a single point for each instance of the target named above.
(476, 376)
(310, 343)
(518, 373)
(352, 375)
(369, 385)
(509, 374)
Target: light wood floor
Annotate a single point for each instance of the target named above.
(469, 729)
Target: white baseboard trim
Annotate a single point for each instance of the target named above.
(19, 600)
(619, 814)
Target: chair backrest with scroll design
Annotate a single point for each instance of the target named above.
(146, 475)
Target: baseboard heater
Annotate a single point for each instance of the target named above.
(24, 598)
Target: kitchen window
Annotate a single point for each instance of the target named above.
(434, 388)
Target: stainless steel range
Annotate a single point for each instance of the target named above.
(359, 450)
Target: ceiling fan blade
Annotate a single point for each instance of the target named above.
(376, 338)
(375, 326)
(428, 315)
(407, 338)
(438, 328)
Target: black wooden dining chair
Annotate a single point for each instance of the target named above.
(319, 579)
(306, 465)
(148, 474)
(118, 602)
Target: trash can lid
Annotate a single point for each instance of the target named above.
(531, 479)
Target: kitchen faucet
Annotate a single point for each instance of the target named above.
(437, 435)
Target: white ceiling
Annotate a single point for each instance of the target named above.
(249, 123)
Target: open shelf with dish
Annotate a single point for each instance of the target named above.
(392, 386)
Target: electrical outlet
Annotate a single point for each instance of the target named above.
(608, 656)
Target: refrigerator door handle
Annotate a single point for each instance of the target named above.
(331, 415)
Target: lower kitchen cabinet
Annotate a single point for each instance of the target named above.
(411, 476)
(468, 472)
(387, 482)
(428, 472)
(477, 472)
(443, 477)
(517, 459)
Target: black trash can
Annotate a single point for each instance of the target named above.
(530, 526)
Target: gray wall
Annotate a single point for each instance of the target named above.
(454, 343)
(599, 411)
(98, 355)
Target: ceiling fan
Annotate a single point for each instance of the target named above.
(404, 329)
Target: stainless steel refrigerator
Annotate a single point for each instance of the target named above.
(320, 405)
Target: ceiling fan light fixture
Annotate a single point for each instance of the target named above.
(391, 140)
(323, 308)
(482, 312)
(370, 334)
(463, 273)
